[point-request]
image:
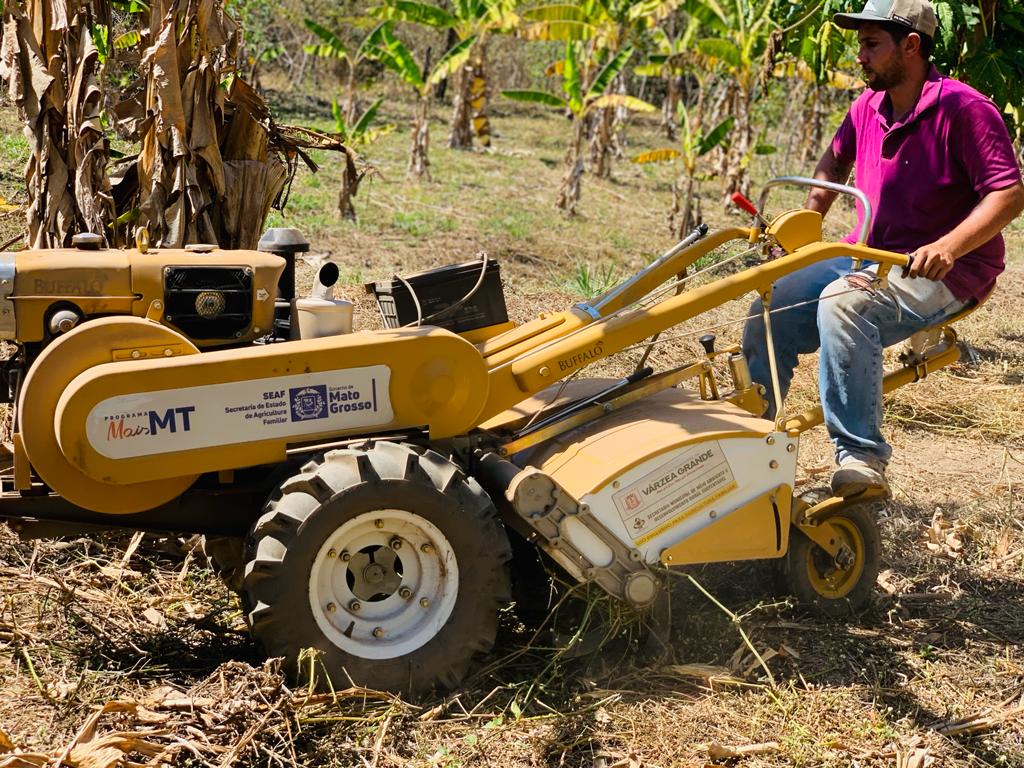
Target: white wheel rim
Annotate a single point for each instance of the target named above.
(383, 584)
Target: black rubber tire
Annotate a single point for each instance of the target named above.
(854, 589)
(226, 558)
(339, 487)
(533, 590)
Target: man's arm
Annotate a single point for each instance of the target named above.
(829, 169)
(993, 212)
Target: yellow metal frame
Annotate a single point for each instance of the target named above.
(758, 530)
(535, 355)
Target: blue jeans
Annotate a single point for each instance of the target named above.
(851, 328)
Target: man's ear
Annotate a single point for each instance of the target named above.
(912, 44)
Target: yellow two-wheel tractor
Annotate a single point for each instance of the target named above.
(360, 489)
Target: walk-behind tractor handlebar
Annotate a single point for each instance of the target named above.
(363, 486)
(844, 189)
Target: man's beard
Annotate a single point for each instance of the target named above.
(888, 78)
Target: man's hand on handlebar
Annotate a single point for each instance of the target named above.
(933, 261)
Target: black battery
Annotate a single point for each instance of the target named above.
(439, 289)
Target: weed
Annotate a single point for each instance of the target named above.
(621, 241)
(13, 147)
(589, 282)
(422, 223)
(309, 222)
(300, 202)
(517, 224)
(353, 276)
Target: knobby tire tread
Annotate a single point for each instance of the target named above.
(321, 488)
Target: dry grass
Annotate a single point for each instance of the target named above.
(122, 650)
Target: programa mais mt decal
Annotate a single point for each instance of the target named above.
(166, 421)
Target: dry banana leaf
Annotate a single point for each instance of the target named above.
(60, 103)
(199, 145)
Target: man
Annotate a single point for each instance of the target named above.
(934, 158)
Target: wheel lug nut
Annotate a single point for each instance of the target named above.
(405, 593)
(395, 543)
(378, 632)
(424, 603)
(332, 553)
(378, 523)
(331, 607)
(426, 548)
(355, 606)
(345, 556)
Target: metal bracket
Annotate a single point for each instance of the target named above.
(588, 309)
(708, 385)
(812, 520)
(824, 534)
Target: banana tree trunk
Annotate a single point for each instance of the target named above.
(469, 107)
(721, 108)
(606, 140)
(50, 62)
(670, 106)
(620, 119)
(206, 169)
(738, 157)
(460, 130)
(685, 213)
(350, 178)
(790, 128)
(419, 160)
(569, 191)
(479, 96)
(601, 143)
(350, 94)
(816, 113)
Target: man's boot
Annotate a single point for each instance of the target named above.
(856, 475)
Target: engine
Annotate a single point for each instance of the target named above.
(212, 297)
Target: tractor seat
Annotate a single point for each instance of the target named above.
(917, 347)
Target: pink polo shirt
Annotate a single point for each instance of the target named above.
(925, 173)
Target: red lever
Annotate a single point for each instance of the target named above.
(741, 202)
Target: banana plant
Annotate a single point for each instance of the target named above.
(604, 28)
(747, 36)
(352, 135)
(331, 46)
(694, 143)
(392, 53)
(983, 44)
(581, 101)
(670, 60)
(476, 19)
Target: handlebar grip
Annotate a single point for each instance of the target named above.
(742, 203)
(643, 373)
